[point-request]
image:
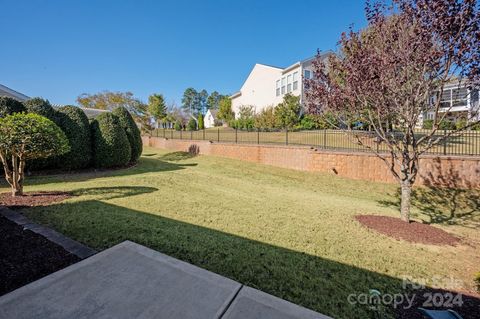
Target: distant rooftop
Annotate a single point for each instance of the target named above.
(6, 91)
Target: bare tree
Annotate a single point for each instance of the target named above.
(394, 71)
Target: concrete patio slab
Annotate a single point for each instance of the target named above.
(132, 281)
(254, 304)
(125, 281)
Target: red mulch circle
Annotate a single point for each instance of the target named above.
(32, 199)
(412, 232)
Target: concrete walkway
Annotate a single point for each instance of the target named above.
(132, 281)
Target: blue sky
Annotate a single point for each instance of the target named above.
(60, 49)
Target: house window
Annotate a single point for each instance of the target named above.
(295, 80)
(277, 88)
(454, 97)
(283, 85)
(289, 83)
(307, 74)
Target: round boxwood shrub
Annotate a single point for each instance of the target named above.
(110, 143)
(9, 106)
(132, 131)
(74, 123)
(41, 107)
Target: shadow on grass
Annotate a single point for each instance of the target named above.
(149, 164)
(445, 199)
(105, 193)
(314, 282)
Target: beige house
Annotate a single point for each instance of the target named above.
(267, 85)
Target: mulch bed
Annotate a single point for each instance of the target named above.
(26, 256)
(32, 199)
(411, 232)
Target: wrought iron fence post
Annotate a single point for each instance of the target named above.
(181, 134)
(218, 135)
(445, 142)
(286, 136)
(171, 134)
(236, 135)
(204, 134)
(258, 135)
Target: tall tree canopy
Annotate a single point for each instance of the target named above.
(189, 99)
(394, 71)
(157, 107)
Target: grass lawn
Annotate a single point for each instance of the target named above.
(288, 233)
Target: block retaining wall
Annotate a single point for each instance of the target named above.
(450, 171)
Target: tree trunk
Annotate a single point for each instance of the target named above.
(405, 202)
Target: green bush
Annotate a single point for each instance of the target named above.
(427, 124)
(74, 123)
(9, 106)
(132, 131)
(265, 119)
(41, 107)
(178, 125)
(192, 125)
(461, 123)
(110, 142)
(201, 123)
(287, 113)
(447, 125)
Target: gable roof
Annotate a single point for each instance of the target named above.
(6, 91)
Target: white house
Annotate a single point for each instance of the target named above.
(6, 91)
(266, 85)
(210, 118)
(460, 101)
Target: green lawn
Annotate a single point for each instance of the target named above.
(288, 233)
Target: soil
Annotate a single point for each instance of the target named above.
(32, 199)
(26, 256)
(412, 232)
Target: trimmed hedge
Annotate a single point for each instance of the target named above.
(74, 123)
(9, 106)
(41, 107)
(132, 131)
(110, 142)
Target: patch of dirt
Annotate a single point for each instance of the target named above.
(26, 256)
(32, 199)
(412, 232)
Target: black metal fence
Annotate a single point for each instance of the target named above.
(468, 143)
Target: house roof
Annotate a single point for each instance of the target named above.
(6, 91)
(213, 112)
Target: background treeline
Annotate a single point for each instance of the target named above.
(112, 139)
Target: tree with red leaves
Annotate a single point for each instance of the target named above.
(394, 71)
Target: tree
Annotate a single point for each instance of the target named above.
(201, 123)
(9, 105)
(111, 147)
(201, 103)
(189, 99)
(225, 113)
(214, 100)
(27, 136)
(157, 107)
(133, 133)
(246, 117)
(287, 113)
(111, 100)
(394, 71)
(41, 107)
(266, 118)
(74, 123)
(192, 124)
